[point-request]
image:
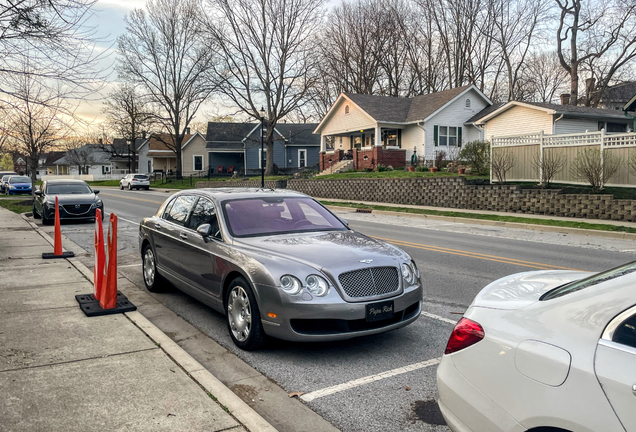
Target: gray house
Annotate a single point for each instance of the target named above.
(237, 147)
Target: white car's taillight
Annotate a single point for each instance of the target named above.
(466, 333)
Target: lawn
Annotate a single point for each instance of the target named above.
(103, 183)
(390, 174)
(187, 183)
(516, 219)
(17, 206)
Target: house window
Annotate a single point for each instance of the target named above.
(302, 158)
(467, 103)
(357, 142)
(369, 140)
(616, 127)
(448, 136)
(330, 142)
(198, 163)
(105, 169)
(149, 166)
(392, 138)
(346, 109)
(261, 156)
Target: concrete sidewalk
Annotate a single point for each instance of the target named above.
(62, 371)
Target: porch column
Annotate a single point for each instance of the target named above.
(378, 136)
(323, 143)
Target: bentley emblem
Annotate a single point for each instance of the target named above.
(77, 206)
(367, 261)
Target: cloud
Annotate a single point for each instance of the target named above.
(121, 4)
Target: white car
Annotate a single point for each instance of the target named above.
(135, 181)
(546, 351)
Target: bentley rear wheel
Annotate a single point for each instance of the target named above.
(243, 316)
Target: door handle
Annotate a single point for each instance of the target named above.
(157, 226)
(634, 389)
(183, 236)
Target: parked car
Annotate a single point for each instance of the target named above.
(135, 181)
(545, 351)
(17, 185)
(278, 264)
(77, 201)
(4, 179)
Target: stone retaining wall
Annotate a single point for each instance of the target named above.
(457, 192)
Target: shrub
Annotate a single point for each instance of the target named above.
(439, 158)
(476, 154)
(382, 168)
(552, 163)
(421, 168)
(501, 162)
(587, 166)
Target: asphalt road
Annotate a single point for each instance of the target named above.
(456, 260)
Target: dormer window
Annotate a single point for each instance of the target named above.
(346, 109)
(467, 103)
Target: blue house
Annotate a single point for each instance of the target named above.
(237, 147)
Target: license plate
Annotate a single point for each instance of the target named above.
(380, 311)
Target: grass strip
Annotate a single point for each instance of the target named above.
(515, 219)
(17, 206)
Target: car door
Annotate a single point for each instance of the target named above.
(615, 366)
(168, 233)
(201, 261)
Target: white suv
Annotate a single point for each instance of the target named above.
(135, 181)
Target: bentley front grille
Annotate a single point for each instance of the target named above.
(370, 282)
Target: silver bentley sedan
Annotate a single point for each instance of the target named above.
(277, 263)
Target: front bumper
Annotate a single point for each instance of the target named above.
(465, 408)
(64, 215)
(18, 191)
(331, 318)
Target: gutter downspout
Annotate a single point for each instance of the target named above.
(554, 124)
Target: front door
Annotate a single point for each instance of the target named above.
(302, 158)
(614, 365)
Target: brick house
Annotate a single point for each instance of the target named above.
(373, 130)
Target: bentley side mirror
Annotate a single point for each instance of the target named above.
(205, 230)
(95, 191)
(344, 221)
(38, 192)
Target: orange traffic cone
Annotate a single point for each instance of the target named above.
(57, 248)
(108, 299)
(100, 256)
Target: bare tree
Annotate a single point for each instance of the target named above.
(80, 154)
(501, 162)
(590, 32)
(589, 166)
(54, 37)
(544, 77)
(37, 121)
(548, 166)
(515, 26)
(128, 114)
(165, 53)
(265, 56)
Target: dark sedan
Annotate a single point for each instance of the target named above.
(76, 199)
(278, 263)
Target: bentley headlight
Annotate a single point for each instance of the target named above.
(407, 274)
(290, 284)
(317, 285)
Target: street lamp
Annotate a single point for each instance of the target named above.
(262, 112)
(128, 144)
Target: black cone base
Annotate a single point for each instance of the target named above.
(91, 307)
(50, 255)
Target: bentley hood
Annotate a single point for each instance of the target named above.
(522, 289)
(330, 251)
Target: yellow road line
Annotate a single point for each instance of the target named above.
(486, 257)
(131, 198)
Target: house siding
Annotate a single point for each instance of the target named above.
(519, 120)
(142, 156)
(339, 122)
(312, 156)
(251, 156)
(572, 125)
(196, 146)
(413, 137)
(455, 114)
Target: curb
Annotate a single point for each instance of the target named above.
(547, 228)
(228, 400)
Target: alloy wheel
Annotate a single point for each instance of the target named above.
(239, 313)
(149, 267)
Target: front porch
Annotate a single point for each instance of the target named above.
(367, 158)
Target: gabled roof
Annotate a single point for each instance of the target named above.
(157, 146)
(631, 105)
(298, 133)
(100, 155)
(222, 136)
(549, 108)
(53, 156)
(225, 132)
(484, 112)
(386, 109)
(121, 144)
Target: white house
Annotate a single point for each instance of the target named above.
(375, 130)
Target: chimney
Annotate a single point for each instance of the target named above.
(565, 98)
(589, 87)
(187, 131)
